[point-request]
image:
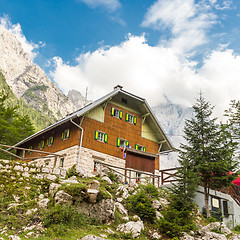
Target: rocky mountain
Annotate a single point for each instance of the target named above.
(28, 81)
(172, 118)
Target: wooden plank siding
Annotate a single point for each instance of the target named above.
(58, 143)
(116, 128)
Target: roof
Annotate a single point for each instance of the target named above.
(137, 102)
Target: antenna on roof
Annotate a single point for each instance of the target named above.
(118, 87)
(85, 100)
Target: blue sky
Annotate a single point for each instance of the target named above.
(153, 48)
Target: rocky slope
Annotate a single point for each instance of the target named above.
(28, 81)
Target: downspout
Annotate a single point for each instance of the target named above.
(80, 146)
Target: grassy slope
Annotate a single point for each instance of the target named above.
(38, 119)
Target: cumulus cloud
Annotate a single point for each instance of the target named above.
(152, 72)
(111, 5)
(16, 29)
(187, 21)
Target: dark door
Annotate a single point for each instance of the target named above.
(140, 162)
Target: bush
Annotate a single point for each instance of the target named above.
(112, 176)
(141, 204)
(151, 190)
(72, 172)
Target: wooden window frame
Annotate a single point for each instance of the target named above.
(103, 138)
(49, 142)
(41, 145)
(65, 134)
(116, 113)
(124, 141)
(131, 118)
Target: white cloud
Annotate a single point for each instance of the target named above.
(111, 5)
(187, 21)
(152, 72)
(16, 29)
(226, 4)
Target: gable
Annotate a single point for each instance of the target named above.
(96, 113)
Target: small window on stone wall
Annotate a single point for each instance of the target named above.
(61, 162)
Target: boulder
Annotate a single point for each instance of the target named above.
(163, 201)
(62, 197)
(156, 204)
(215, 236)
(215, 225)
(134, 228)
(185, 236)
(121, 208)
(43, 203)
(53, 187)
(14, 237)
(234, 237)
(92, 237)
(69, 181)
(107, 179)
(104, 210)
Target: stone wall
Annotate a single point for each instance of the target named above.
(31, 170)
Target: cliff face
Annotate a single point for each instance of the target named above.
(28, 81)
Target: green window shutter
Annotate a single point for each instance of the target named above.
(47, 143)
(127, 117)
(42, 144)
(68, 133)
(118, 142)
(135, 120)
(105, 138)
(120, 114)
(127, 143)
(51, 140)
(96, 135)
(136, 146)
(112, 111)
(144, 149)
(62, 135)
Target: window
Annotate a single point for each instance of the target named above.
(131, 119)
(116, 113)
(101, 136)
(30, 152)
(50, 141)
(41, 145)
(65, 134)
(122, 142)
(138, 177)
(61, 162)
(216, 205)
(140, 147)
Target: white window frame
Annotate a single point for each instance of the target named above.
(101, 136)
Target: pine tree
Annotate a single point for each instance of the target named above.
(209, 149)
(13, 127)
(179, 215)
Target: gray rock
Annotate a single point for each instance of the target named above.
(43, 203)
(53, 187)
(215, 225)
(14, 237)
(234, 237)
(104, 210)
(69, 181)
(62, 197)
(186, 237)
(92, 237)
(156, 204)
(121, 208)
(158, 215)
(134, 228)
(163, 201)
(215, 236)
(51, 177)
(107, 179)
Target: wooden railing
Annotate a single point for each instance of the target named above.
(165, 176)
(24, 150)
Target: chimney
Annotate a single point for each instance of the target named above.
(118, 87)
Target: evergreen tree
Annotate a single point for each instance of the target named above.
(13, 127)
(179, 215)
(210, 149)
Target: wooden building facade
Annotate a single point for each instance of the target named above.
(119, 129)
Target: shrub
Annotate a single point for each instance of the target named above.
(151, 190)
(141, 204)
(72, 172)
(112, 176)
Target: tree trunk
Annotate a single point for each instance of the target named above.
(206, 198)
